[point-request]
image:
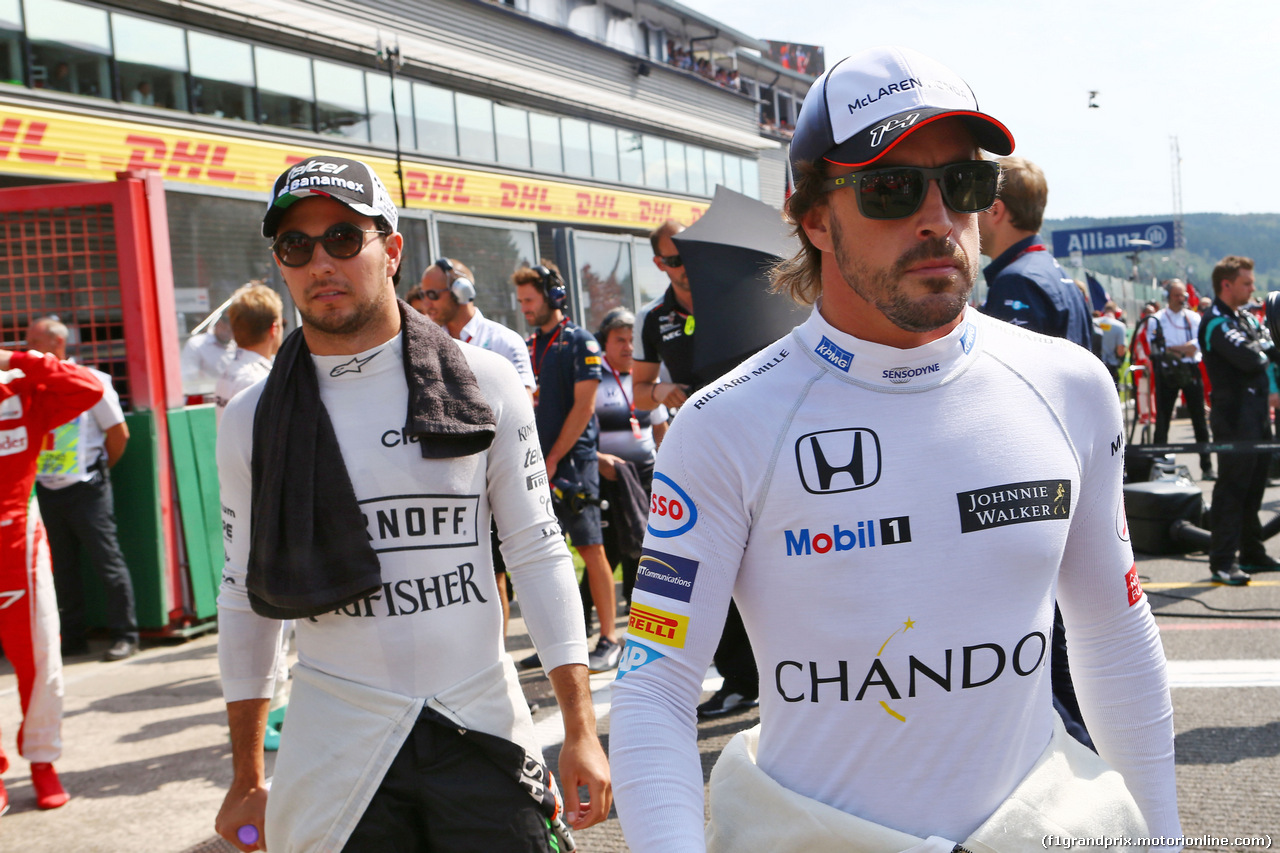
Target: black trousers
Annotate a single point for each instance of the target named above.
(82, 518)
(1237, 494)
(734, 658)
(444, 793)
(1167, 397)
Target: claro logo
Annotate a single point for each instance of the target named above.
(838, 460)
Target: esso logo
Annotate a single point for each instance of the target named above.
(671, 510)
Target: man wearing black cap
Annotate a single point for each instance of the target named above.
(894, 494)
(358, 482)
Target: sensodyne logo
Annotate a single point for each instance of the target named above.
(839, 357)
(903, 375)
(838, 460)
(1014, 503)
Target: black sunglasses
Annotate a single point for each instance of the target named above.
(341, 241)
(896, 192)
(433, 294)
(673, 261)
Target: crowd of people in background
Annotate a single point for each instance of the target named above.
(683, 58)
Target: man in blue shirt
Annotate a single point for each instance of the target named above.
(566, 363)
(1025, 285)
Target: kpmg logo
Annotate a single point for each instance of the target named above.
(967, 337)
(666, 574)
(834, 354)
(1014, 503)
(838, 460)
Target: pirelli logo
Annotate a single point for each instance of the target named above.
(658, 626)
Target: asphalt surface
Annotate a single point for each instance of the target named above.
(146, 758)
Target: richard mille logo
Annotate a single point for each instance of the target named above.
(353, 366)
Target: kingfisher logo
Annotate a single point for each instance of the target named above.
(838, 460)
(830, 352)
(903, 375)
(666, 574)
(658, 625)
(893, 531)
(636, 655)
(1014, 503)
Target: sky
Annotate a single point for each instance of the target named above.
(1206, 73)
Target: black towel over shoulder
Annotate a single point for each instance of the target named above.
(309, 552)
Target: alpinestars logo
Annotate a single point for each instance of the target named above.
(1014, 503)
(838, 460)
(353, 366)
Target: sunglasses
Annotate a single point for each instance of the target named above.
(673, 261)
(341, 241)
(896, 192)
(433, 295)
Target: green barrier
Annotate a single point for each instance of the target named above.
(192, 439)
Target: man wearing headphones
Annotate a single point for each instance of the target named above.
(451, 301)
(567, 363)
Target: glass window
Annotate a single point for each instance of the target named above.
(381, 129)
(493, 253)
(577, 147)
(733, 172)
(152, 60)
(651, 282)
(604, 152)
(340, 106)
(512, 127)
(70, 47)
(715, 170)
(11, 62)
(285, 90)
(475, 128)
(677, 175)
(604, 275)
(655, 163)
(221, 76)
(751, 178)
(433, 108)
(697, 170)
(544, 132)
(630, 158)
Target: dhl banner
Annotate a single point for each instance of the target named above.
(49, 144)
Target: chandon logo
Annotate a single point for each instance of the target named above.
(978, 665)
(838, 460)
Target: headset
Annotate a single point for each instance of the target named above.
(552, 287)
(461, 288)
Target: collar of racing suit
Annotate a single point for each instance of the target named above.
(888, 368)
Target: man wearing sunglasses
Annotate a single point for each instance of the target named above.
(666, 328)
(1026, 286)
(893, 494)
(358, 483)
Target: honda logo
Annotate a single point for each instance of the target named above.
(838, 460)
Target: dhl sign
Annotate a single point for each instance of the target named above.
(51, 144)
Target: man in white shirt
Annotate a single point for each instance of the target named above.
(450, 292)
(1172, 333)
(894, 494)
(76, 500)
(256, 315)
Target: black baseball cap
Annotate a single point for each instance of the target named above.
(864, 104)
(349, 182)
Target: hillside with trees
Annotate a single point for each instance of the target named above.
(1209, 237)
